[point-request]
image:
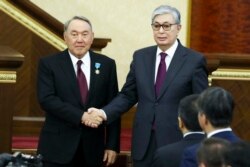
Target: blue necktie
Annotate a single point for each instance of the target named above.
(82, 82)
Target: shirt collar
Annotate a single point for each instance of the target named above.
(189, 133)
(218, 131)
(170, 52)
(85, 59)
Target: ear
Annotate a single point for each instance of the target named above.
(180, 123)
(202, 164)
(93, 37)
(206, 121)
(64, 36)
(179, 27)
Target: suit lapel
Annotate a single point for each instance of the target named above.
(93, 60)
(174, 67)
(149, 64)
(69, 73)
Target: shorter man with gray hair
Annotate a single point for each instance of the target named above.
(69, 83)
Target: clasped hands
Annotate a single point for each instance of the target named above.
(93, 117)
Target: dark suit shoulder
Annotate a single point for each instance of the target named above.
(147, 49)
(101, 57)
(55, 56)
(189, 51)
(188, 141)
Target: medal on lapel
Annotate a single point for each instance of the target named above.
(97, 68)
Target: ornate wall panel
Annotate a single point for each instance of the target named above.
(240, 90)
(220, 26)
(221, 30)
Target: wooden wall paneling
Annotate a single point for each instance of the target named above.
(232, 72)
(10, 60)
(220, 26)
(32, 47)
(17, 37)
(6, 119)
(240, 90)
(221, 30)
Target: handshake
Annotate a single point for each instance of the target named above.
(93, 117)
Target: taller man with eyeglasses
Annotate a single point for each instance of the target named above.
(159, 77)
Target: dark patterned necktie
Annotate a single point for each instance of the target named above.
(161, 73)
(82, 82)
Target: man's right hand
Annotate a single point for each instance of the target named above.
(93, 118)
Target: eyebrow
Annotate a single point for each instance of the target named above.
(163, 22)
(80, 31)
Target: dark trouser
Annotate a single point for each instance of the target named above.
(78, 161)
(148, 157)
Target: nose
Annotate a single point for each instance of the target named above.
(79, 38)
(161, 29)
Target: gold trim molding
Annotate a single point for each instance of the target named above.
(7, 76)
(231, 74)
(32, 25)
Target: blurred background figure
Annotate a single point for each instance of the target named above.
(170, 155)
(211, 152)
(216, 107)
(238, 155)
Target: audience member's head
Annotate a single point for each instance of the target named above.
(216, 107)
(238, 155)
(188, 114)
(211, 152)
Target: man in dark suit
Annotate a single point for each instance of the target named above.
(170, 155)
(216, 107)
(68, 84)
(159, 77)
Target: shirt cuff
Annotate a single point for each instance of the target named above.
(104, 114)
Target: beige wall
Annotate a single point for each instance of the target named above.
(126, 22)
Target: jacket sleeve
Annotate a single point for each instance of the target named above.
(113, 129)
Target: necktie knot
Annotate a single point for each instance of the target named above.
(79, 63)
(163, 56)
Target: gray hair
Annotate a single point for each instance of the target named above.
(165, 9)
(66, 25)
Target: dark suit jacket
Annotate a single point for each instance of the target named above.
(170, 155)
(186, 75)
(60, 98)
(189, 154)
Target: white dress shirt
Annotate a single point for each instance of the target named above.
(85, 65)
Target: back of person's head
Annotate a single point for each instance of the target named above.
(165, 9)
(188, 112)
(217, 104)
(211, 152)
(238, 155)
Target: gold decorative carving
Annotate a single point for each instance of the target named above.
(32, 25)
(230, 74)
(7, 77)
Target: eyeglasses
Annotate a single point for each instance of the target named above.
(166, 26)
